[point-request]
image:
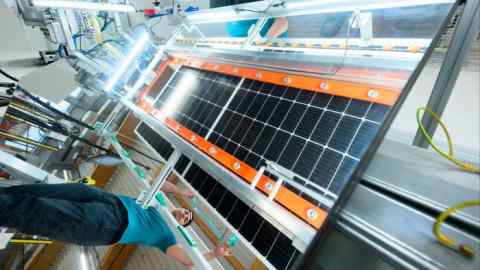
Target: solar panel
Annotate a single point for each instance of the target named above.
(270, 242)
(318, 136)
(161, 146)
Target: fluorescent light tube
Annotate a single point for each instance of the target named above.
(361, 5)
(137, 48)
(83, 5)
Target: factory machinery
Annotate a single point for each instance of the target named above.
(281, 136)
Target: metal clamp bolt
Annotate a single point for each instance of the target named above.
(212, 150)
(258, 75)
(287, 80)
(237, 166)
(268, 186)
(373, 94)
(312, 214)
(324, 86)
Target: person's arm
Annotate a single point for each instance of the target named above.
(171, 188)
(278, 27)
(177, 253)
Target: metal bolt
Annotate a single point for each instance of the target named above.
(324, 86)
(212, 150)
(312, 214)
(258, 75)
(269, 186)
(373, 94)
(193, 138)
(177, 128)
(236, 165)
(215, 67)
(287, 80)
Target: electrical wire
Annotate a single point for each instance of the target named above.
(8, 75)
(30, 241)
(28, 141)
(347, 41)
(464, 249)
(450, 155)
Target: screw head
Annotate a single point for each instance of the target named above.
(212, 150)
(258, 75)
(324, 86)
(177, 128)
(373, 93)
(287, 80)
(312, 214)
(268, 186)
(237, 166)
(193, 138)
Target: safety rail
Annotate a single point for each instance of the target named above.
(160, 202)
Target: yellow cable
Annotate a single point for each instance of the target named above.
(463, 249)
(26, 241)
(96, 27)
(28, 141)
(450, 155)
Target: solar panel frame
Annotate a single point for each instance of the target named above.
(207, 188)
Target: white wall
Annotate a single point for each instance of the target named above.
(462, 112)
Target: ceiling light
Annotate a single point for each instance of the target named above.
(137, 48)
(83, 5)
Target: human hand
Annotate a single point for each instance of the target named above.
(222, 250)
(187, 194)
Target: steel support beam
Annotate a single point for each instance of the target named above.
(463, 36)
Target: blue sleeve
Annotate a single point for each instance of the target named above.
(239, 28)
(167, 241)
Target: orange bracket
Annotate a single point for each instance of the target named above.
(293, 202)
(355, 90)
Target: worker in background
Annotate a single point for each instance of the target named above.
(273, 28)
(84, 215)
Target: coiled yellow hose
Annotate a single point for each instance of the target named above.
(463, 249)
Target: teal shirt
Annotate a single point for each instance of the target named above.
(146, 227)
(241, 28)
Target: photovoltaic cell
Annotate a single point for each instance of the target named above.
(161, 146)
(204, 96)
(259, 232)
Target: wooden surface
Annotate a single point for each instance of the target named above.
(117, 257)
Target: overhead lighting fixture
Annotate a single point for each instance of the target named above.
(342, 5)
(218, 15)
(137, 48)
(83, 5)
(145, 74)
